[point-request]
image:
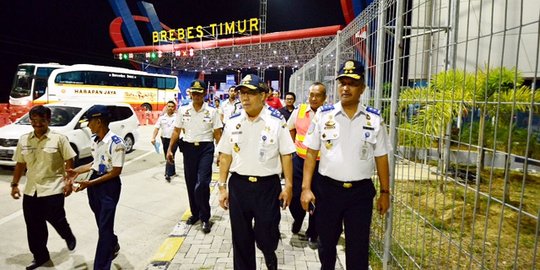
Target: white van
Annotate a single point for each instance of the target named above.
(69, 119)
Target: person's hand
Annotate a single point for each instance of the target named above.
(217, 160)
(383, 203)
(306, 198)
(286, 196)
(224, 199)
(170, 157)
(80, 186)
(68, 188)
(153, 141)
(15, 193)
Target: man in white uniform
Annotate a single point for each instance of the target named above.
(352, 140)
(201, 125)
(256, 148)
(166, 123)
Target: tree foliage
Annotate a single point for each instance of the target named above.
(453, 94)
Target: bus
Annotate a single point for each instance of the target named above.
(108, 84)
(30, 82)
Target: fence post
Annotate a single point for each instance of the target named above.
(381, 48)
(338, 51)
(396, 87)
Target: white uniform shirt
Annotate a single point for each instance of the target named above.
(198, 126)
(166, 124)
(256, 146)
(348, 146)
(111, 152)
(229, 108)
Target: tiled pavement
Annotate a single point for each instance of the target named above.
(214, 250)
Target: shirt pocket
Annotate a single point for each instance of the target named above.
(236, 137)
(329, 133)
(268, 146)
(207, 120)
(367, 144)
(369, 136)
(51, 154)
(25, 150)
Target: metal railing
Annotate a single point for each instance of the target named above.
(456, 81)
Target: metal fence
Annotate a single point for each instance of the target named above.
(457, 82)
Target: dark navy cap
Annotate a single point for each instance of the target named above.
(352, 69)
(250, 81)
(197, 86)
(97, 111)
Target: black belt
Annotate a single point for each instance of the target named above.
(198, 143)
(345, 184)
(255, 179)
(96, 173)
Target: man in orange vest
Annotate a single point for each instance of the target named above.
(298, 124)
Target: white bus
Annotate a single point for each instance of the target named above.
(30, 82)
(110, 84)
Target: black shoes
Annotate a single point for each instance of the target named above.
(192, 220)
(35, 264)
(116, 251)
(205, 226)
(71, 243)
(296, 226)
(168, 178)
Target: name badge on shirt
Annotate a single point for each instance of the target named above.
(364, 149)
(102, 168)
(364, 152)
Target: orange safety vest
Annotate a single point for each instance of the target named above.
(303, 120)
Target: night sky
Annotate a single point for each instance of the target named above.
(77, 31)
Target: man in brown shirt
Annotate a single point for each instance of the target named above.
(45, 155)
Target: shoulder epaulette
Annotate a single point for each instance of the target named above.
(373, 110)
(234, 115)
(327, 107)
(271, 109)
(211, 106)
(277, 114)
(116, 139)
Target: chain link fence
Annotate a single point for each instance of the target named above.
(456, 82)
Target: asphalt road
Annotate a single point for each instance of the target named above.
(149, 208)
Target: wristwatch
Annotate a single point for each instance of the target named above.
(13, 184)
(384, 191)
(222, 184)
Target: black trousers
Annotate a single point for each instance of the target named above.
(37, 211)
(198, 174)
(297, 212)
(351, 207)
(103, 199)
(248, 202)
(170, 168)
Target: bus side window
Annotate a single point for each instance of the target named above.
(40, 86)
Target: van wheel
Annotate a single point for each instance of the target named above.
(147, 107)
(129, 142)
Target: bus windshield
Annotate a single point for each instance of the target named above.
(22, 83)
